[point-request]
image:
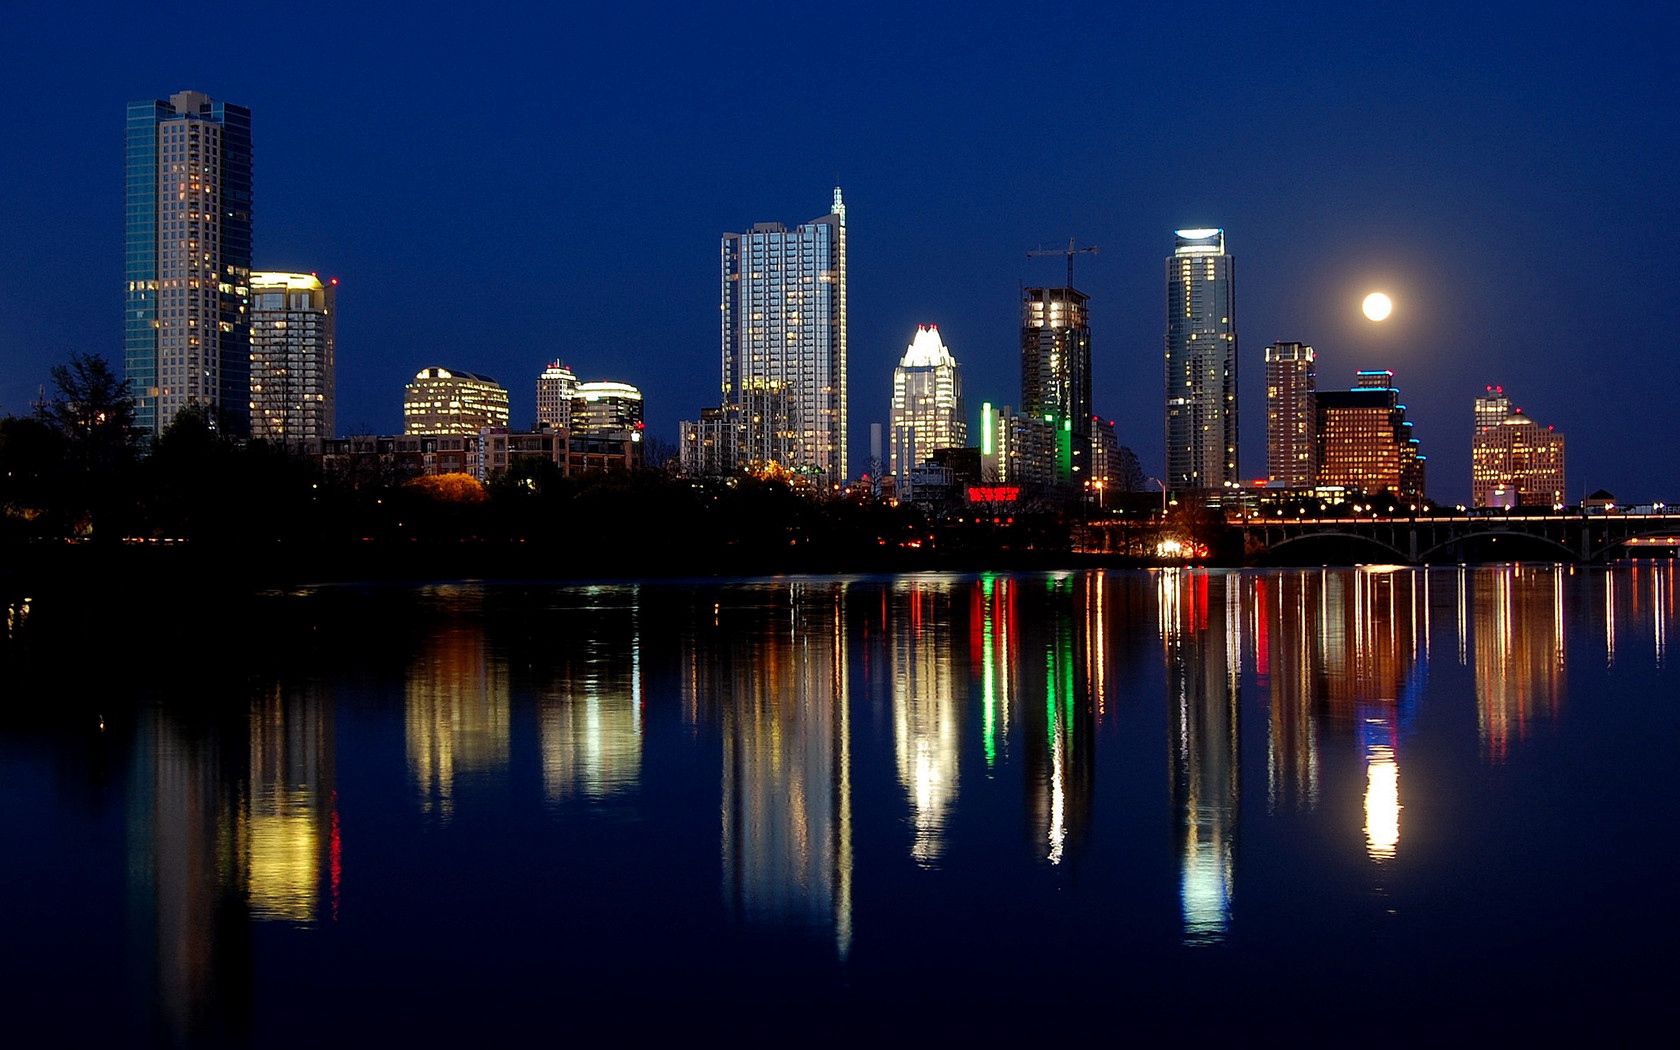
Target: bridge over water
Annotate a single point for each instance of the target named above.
(1419, 539)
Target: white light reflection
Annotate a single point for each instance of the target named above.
(1382, 803)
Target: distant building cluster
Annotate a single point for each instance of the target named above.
(255, 350)
(1513, 460)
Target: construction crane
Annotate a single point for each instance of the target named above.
(1070, 251)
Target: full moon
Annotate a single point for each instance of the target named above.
(1378, 306)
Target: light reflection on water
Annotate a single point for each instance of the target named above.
(847, 739)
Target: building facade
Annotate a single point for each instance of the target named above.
(1291, 416)
(606, 407)
(447, 401)
(1024, 450)
(294, 353)
(927, 406)
(187, 261)
(491, 451)
(1365, 443)
(1201, 356)
(1513, 460)
(1056, 364)
(556, 387)
(783, 300)
(749, 436)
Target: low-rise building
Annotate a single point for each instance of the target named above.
(490, 452)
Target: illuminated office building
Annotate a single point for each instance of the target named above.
(1201, 375)
(293, 357)
(1365, 443)
(1056, 366)
(446, 401)
(187, 261)
(1513, 460)
(556, 387)
(927, 406)
(606, 407)
(783, 299)
(1291, 416)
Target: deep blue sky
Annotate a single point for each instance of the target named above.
(496, 189)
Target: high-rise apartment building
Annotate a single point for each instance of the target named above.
(606, 407)
(927, 405)
(445, 401)
(783, 300)
(1201, 376)
(743, 437)
(1365, 443)
(556, 387)
(293, 357)
(1513, 460)
(1291, 416)
(1017, 449)
(187, 261)
(1056, 365)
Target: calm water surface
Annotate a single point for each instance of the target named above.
(1322, 804)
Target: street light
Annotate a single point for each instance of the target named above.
(1163, 485)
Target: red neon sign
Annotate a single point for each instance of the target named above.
(994, 493)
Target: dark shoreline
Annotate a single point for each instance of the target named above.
(159, 571)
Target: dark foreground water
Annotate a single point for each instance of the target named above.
(1348, 805)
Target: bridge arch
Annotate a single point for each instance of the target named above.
(1399, 556)
(1606, 549)
(1478, 535)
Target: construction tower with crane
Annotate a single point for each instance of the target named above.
(1056, 360)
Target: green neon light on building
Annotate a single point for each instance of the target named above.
(988, 681)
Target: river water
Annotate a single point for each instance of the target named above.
(1319, 804)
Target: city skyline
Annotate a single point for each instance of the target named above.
(1395, 200)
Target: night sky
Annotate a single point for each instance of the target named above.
(495, 190)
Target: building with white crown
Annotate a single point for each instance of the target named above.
(927, 405)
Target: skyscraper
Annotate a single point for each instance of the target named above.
(1056, 366)
(445, 401)
(293, 357)
(1201, 386)
(1291, 417)
(187, 261)
(556, 387)
(927, 406)
(1492, 408)
(1513, 460)
(1364, 441)
(783, 300)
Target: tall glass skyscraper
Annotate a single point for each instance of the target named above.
(1056, 368)
(187, 261)
(784, 327)
(1201, 386)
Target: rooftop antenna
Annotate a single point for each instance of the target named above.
(1070, 251)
